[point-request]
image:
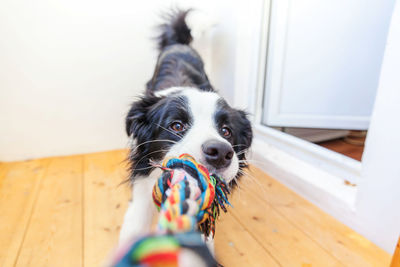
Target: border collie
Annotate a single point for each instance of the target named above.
(180, 112)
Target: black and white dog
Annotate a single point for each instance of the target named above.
(180, 112)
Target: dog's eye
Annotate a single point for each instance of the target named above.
(226, 132)
(177, 126)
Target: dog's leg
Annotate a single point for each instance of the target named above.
(139, 215)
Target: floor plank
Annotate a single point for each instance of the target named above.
(396, 256)
(278, 236)
(104, 204)
(19, 186)
(233, 243)
(349, 247)
(54, 236)
(344, 148)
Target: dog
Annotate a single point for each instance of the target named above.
(180, 112)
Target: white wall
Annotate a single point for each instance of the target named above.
(69, 70)
(378, 200)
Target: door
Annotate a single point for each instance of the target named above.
(323, 62)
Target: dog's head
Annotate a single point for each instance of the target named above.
(188, 120)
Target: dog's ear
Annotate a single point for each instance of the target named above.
(137, 120)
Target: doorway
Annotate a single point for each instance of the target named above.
(323, 64)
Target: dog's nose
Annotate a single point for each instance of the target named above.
(218, 154)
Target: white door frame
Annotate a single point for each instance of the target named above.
(322, 176)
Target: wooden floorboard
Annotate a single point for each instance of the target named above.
(349, 247)
(233, 249)
(19, 188)
(104, 204)
(340, 146)
(277, 235)
(54, 235)
(67, 211)
(396, 256)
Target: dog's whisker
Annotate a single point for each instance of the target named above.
(238, 145)
(153, 152)
(183, 144)
(180, 137)
(241, 152)
(238, 186)
(151, 141)
(254, 179)
(146, 168)
(249, 161)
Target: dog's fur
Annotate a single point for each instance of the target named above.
(179, 92)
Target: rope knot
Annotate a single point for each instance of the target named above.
(188, 196)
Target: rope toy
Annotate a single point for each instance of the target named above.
(190, 196)
(188, 199)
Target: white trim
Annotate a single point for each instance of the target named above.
(315, 183)
(324, 121)
(250, 58)
(277, 54)
(327, 160)
(314, 172)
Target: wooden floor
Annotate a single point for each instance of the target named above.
(67, 211)
(340, 146)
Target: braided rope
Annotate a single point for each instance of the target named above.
(188, 198)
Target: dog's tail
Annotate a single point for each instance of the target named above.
(175, 30)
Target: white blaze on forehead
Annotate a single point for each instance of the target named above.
(202, 105)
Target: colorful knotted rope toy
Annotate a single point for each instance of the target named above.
(188, 198)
